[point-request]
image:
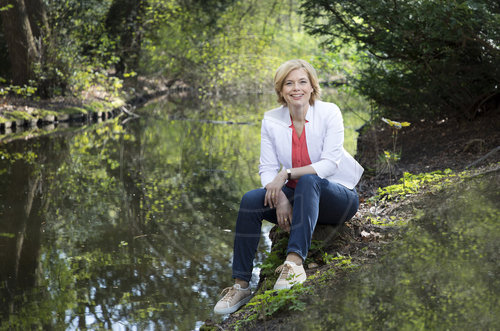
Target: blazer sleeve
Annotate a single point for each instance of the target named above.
(333, 150)
(269, 163)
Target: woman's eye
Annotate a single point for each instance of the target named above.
(288, 83)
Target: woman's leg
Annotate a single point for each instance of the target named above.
(248, 231)
(318, 200)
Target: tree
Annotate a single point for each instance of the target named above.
(124, 23)
(423, 57)
(20, 40)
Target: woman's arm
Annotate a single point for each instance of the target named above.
(333, 141)
(269, 164)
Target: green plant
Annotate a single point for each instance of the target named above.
(24, 91)
(390, 158)
(274, 259)
(342, 261)
(395, 127)
(270, 302)
(410, 184)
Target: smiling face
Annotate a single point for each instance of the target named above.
(297, 88)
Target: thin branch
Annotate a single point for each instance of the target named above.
(496, 149)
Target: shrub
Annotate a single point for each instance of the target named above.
(423, 57)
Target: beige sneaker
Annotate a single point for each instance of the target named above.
(235, 298)
(291, 274)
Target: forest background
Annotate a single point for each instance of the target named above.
(410, 58)
(434, 63)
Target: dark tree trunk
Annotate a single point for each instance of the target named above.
(37, 15)
(20, 42)
(124, 24)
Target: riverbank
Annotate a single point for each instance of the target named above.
(27, 117)
(427, 147)
(22, 118)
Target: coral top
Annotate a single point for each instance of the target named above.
(300, 155)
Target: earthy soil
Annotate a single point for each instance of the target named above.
(425, 146)
(428, 146)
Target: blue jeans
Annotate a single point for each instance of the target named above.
(314, 200)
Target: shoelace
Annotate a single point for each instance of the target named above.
(285, 268)
(228, 293)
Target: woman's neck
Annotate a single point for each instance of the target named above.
(298, 113)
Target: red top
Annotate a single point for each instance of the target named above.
(300, 155)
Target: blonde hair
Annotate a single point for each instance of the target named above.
(289, 66)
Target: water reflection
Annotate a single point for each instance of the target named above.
(441, 275)
(126, 226)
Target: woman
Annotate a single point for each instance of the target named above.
(304, 138)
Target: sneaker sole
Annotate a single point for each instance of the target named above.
(230, 310)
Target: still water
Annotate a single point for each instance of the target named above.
(128, 224)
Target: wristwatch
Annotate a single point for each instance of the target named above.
(289, 173)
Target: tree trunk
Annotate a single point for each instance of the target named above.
(124, 23)
(20, 42)
(37, 16)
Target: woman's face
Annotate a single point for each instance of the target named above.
(297, 88)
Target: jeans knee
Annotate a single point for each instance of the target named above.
(308, 180)
(253, 199)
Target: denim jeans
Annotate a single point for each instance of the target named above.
(314, 200)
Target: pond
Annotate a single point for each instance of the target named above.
(128, 224)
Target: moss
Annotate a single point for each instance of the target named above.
(16, 115)
(72, 111)
(103, 105)
(41, 113)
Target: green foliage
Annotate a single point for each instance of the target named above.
(213, 46)
(24, 91)
(77, 51)
(28, 157)
(237, 48)
(439, 275)
(266, 304)
(341, 261)
(273, 260)
(421, 57)
(7, 7)
(95, 81)
(410, 184)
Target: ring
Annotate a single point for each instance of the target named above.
(272, 194)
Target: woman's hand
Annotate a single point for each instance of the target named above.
(273, 189)
(284, 212)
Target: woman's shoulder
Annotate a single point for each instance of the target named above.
(279, 114)
(275, 112)
(325, 106)
(326, 109)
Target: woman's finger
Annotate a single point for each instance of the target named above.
(267, 199)
(270, 200)
(288, 222)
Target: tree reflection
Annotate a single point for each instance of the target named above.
(134, 222)
(130, 224)
(24, 171)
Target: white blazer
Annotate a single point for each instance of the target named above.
(325, 138)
